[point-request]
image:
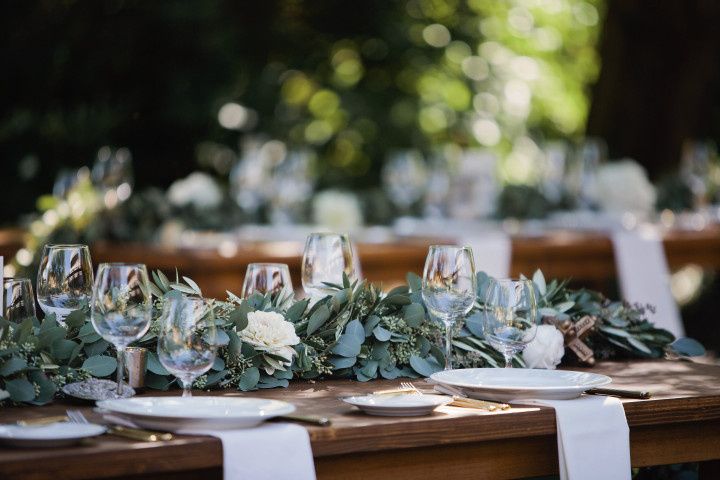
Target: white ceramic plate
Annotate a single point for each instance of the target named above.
(177, 413)
(53, 435)
(513, 384)
(398, 405)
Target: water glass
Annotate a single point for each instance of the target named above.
(448, 287)
(187, 343)
(510, 316)
(65, 279)
(405, 178)
(264, 278)
(326, 258)
(18, 299)
(121, 307)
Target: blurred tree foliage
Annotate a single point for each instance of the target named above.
(353, 80)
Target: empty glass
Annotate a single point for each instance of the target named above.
(266, 278)
(113, 172)
(510, 316)
(65, 279)
(405, 178)
(448, 287)
(187, 341)
(582, 172)
(18, 299)
(121, 307)
(697, 158)
(327, 256)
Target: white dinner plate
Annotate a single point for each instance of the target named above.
(53, 435)
(177, 413)
(513, 384)
(405, 405)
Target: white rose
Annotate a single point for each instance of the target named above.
(269, 332)
(623, 186)
(198, 189)
(338, 210)
(546, 349)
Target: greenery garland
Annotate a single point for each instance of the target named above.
(357, 332)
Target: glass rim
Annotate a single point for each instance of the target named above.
(121, 264)
(511, 280)
(448, 245)
(16, 279)
(327, 234)
(65, 246)
(269, 264)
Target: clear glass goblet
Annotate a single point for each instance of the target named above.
(65, 279)
(448, 287)
(18, 299)
(264, 278)
(121, 307)
(326, 258)
(510, 316)
(187, 341)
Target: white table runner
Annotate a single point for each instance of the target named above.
(644, 275)
(593, 438)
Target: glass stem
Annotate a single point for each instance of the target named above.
(187, 387)
(508, 360)
(448, 346)
(120, 369)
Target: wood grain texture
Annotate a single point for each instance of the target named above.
(681, 423)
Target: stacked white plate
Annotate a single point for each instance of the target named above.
(402, 405)
(53, 435)
(515, 384)
(177, 413)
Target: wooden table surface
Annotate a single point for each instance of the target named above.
(681, 423)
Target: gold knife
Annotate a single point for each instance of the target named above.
(617, 392)
(139, 434)
(37, 422)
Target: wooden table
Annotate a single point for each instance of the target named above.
(587, 258)
(680, 424)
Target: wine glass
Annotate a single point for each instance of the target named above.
(263, 278)
(448, 287)
(121, 307)
(65, 279)
(113, 172)
(582, 172)
(405, 178)
(327, 256)
(697, 157)
(510, 316)
(187, 341)
(18, 299)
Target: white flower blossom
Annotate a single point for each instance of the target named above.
(623, 186)
(197, 189)
(337, 210)
(546, 349)
(269, 332)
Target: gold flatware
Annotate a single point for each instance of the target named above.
(37, 422)
(461, 401)
(618, 392)
(139, 434)
(319, 421)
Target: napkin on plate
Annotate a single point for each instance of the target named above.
(268, 452)
(593, 437)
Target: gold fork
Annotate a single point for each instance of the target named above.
(459, 401)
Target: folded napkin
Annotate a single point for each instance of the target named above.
(593, 438)
(644, 275)
(270, 451)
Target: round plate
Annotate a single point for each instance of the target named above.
(53, 435)
(512, 384)
(177, 413)
(397, 405)
(97, 389)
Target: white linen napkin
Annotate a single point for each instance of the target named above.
(593, 438)
(268, 452)
(644, 275)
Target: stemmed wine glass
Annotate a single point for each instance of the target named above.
(65, 279)
(263, 278)
(327, 256)
(121, 307)
(510, 316)
(405, 178)
(187, 341)
(18, 299)
(448, 287)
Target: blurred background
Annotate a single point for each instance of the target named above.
(188, 86)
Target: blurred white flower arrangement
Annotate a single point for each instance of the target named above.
(623, 186)
(197, 189)
(337, 210)
(546, 349)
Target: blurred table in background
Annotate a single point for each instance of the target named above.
(587, 258)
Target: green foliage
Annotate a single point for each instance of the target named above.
(355, 332)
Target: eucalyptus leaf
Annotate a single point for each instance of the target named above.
(12, 365)
(381, 333)
(318, 318)
(355, 329)
(76, 319)
(249, 379)
(154, 365)
(425, 366)
(687, 347)
(539, 281)
(20, 390)
(100, 365)
(370, 324)
(414, 315)
(347, 346)
(295, 312)
(342, 362)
